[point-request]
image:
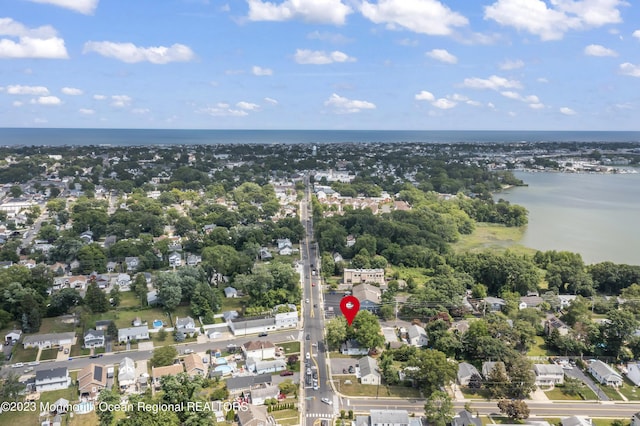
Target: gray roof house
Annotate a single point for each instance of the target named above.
(494, 303)
(465, 371)
(237, 385)
(255, 415)
(12, 336)
(94, 339)
(46, 341)
(548, 374)
(186, 324)
(133, 333)
(389, 418)
(352, 347)
(465, 418)
(368, 295)
(369, 374)
(52, 379)
(417, 336)
(126, 373)
(230, 292)
(604, 374)
(488, 366)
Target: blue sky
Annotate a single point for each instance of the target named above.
(321, 64)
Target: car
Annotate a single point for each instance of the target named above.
(308, 337)
(313, 284)
(315, 375)
(263, 334)
(306, 301)
(351, 369)
(34, 363)
(60, 349)
(18, 365)
(327, 401)
(286, 373)
(188, 351)
(315, 305)
(27, 370)
(96, 356)
(306, 276)
(308, 356)
(66, 350)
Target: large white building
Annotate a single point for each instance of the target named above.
(52, 379)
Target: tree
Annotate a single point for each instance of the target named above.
(162, 334)
(433, 371)
(163, 356)
(107, 398)
(112, 331)
(287, 387)
(15, 191)
(366, 330)
(169, 290)
(62, 301)
(10, 387)
(95, 299)
(497, 380)
(205, 302)
(92, 258)
(336, 332)
(618, 330)
(475, 382)
(438, 409)
(514, 409)
(115, 296)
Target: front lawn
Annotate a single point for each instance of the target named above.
(20, 354)
(382, 391)
(78, 350)
(48, 354)
(539, 348)
(290, 347)
(55, 325)
(556, 394)
(478, 394)
(629, 390)
(234, 304)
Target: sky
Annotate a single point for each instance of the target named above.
(321, 64)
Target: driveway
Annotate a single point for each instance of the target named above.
(337, 364)
(576, 373)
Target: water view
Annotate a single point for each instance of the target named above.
(595, 215)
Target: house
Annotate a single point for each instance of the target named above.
(124, 281)
(488, 366)
(287, 319)
(554, 323)
(187, 325)
(109, 241)
(465, 418)
(52, 379)
(633, 372)
(12, 337)
(94, 339)
(635, 419)
(133, 333)
(175, 259)
(548, 374)
(369, 296)
(152, 297)
(126, 373)
(337, 257)
(389, 418)
(230, 292)
(576, 421)
(193, 260)
(265, 366)
(361, 276)
(240, 384)
(132, 263)
(259, 350)
(102, 325)
(47, 341)
(264, 254)
(369, 374)
(169, 370)
(255, 415)
(87, 237)
(258, 395)
(530, 302)
(246, 326)
(284, 242)
(566, 300)
(351, 347)
(604, 374)
(60, 406)
(494, 304)
(465, 371)
(285, 251)
(111, 266)
(194, 366)
(91, 380)
(417, 336)
(351, 241)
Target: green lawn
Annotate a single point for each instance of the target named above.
(382, 391)
(55, 325)
(23, 355)
(78, 350)
(607, 422)
(32, 417)
(419, 275)
(479, 394)
(290, 347)
(234, 303)
(128, 299)
(494, 237)
(48, 354)
(629, 390)
(124, 317)
(557, 395)
(611, 393)
(539, 348)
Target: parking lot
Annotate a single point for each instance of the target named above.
(338, 364)
(332, 301)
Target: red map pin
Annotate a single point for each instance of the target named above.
(349, 305)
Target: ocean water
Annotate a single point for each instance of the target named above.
(595, 215)
(139, 137)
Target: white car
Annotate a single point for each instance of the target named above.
(18, 365)
(308, 356)
(306, 301)
(188, 351)
(327, 401)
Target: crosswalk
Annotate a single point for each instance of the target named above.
(316, 415)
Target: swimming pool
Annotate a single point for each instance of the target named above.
(157, 324)
(221, 361)
(84, 407)
(224, 369)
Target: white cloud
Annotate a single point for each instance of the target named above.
(259, 71)
(315, 11)
(442, 55)
(444, 103)
(41, 42)
(120, 101)
(536, 105)
(17, 103)
(140, 111)
(71, 91)
(99, 97)
(247, 106)
(86, 111)
(630, 69)
(271, 101)
(511, 65)
(532, 100)
(551, 23)
(130, 53)
(327, 36)
(636, 34)
(320, 57)
(542, 80)
(222, 109)
(344, 105)
(598, 50)
(11, 28)
(494, 82)
(425, 96)
(420, 16)
(567, 111)
(27, 90)
(86, 7)
(47, 100)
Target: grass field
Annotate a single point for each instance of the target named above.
(23, 355)
(48, 354)
(290, 347)
(419, 275)
(55, 325)
(233, 303)
(382, 391)
(494, 237)
(539, 348)
(629, 390)
(557, 395)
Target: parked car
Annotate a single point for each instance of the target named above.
(308, 337)
(327, 401)
(29, 369)
(263, 334)
(96, 356)
(351, 369)
(188, 351)
(308, 355)
(315, 375)
(286, 373)
(18, 365)
(66, 350)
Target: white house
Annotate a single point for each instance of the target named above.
(284, 242)
(175, 259)
(230, 292)
(187, 325)
(259, 394)
(133, 333)
(465, 371)
(259, 350)
(286, 319)
(633, 372)
(94, 339)
(548, 374)
(124, 281)
(369, 374)
(52, 379)
(417, 336)
(126, 373)
(604, 374)
(46, 341)
(246, 326)
(265, 366)
(12, 336)
(285, 251)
